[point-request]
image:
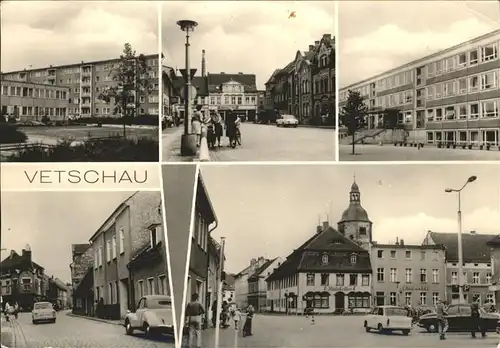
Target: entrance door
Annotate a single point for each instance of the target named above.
(339, 301)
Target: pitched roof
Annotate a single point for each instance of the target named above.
(262, 268)
(475, 246)
(215, 80)
(14, 260)
(79, 249)
(199, 82)
(275, 72)
(332, 242)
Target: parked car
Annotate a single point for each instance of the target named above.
(153, 316)
(388, 319)
(43, 312)
(459, 319)
(287, 121)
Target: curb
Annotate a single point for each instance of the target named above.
(204, 153)
(6, 335)
(299, 126)
(94, 319)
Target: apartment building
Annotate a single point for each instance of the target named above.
(257, 285)
(241, 289)
(29, 101)
(86, 81)
(452, 96)
(412, 275)
(477, 265)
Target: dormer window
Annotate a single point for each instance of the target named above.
(324, 259)
(354, 259)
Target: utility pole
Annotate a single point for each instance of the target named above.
(219, 292)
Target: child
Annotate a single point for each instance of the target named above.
(236, 317)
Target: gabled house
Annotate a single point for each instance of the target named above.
(257, 286)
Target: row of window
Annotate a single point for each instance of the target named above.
(200, 233)
(471, 84)
(230, 100)
(340, 279)
(18, 111)
(476, 278)
(381, 275)
(470, 111)
(393, 299)
(284, 283)
(111, 249)
(393, 254)
(153, 286)
(463, 136)
(392, 100)
(29, 92)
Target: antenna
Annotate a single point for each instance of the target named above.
(354, 176)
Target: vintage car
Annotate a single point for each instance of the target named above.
(287, 121)
(388, 319)
(459, 319)
(43, 312)
(153, 316)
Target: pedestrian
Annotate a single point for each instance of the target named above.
(476, 320)
(196, 124)
(441, 312)
(193, 313)
(6, 311)
(217, 122)
(230, 126)
(247, 327)
(214, 314)
(236, 317)
(16, 310)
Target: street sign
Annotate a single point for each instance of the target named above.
(193, 92)
(192, 72)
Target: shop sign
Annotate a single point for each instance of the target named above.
(339, 288)
(409, 287)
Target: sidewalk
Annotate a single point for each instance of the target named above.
(107, 321)
(6, 336)
(171, 146)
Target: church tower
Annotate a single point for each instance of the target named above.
(355, 223)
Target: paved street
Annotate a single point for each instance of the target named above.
(50, 135)
(333, 331)
(74, 332)
(265, 143)
(397, 153)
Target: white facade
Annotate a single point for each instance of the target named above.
(241, 290)
(232, 96)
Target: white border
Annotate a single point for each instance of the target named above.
(336, 36)
(160, 81)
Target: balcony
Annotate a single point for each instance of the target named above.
(86, 73)
(86, 93)
(86, 82)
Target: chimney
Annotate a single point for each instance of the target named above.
(473, 232)
(402, 242)
(311, 48)
(319, 229)
(203, 63)
(12, 252)
(397, 241)
(327, 37)
(325, 225)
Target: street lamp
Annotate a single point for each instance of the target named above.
(460, 250)
(188, 140)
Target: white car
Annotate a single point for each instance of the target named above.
(388, 319)
(287, 121)
(153, 316)
(43, 312)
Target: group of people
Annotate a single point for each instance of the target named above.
(200, 119)
(476, 323)
(193, 320)
(9, 310)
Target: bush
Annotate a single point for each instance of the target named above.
(9, 134)
(112, 149)
(143, 120)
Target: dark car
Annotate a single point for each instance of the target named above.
(459, 319)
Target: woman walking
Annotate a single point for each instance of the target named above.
(247, 328)
(217, 122)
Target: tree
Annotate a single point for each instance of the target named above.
(353, 115)
(131, 77)
(390, 119)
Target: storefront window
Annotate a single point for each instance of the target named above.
(359, 300)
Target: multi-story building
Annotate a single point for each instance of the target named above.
(213, 278)
(477, 264)
(87, 80)
(494, 245)
(411, 275)
(28, 101)
(200, 258)
(451, 96)
(305, 87)
(129, 230)
(58, 293)
(22, 279)
(241, 281)
(82, 279)
(329, 272)
(257, 286)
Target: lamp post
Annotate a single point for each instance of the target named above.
(188, 140)
(459, 245)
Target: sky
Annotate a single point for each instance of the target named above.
(270, 210)
(402, 31)
(51, 221)
(43, 33)
(253, 37)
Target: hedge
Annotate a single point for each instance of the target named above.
(143, 120)
(9, 134)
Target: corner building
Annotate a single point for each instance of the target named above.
(452, 96)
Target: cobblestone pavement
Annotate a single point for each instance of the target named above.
(397, 153)
(76, 332)
(333, 332)
(171, 145)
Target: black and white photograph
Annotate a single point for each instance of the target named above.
(352, 256)
(79, 81)
(84, 269)
(261, 81)
(425, 89)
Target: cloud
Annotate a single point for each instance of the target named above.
(253, 37)
(40, 34)
(412, 228)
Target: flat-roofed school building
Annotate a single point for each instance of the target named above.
(451, 96)
(28, 101)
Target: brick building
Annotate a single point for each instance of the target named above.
(451, 96)
(29, 101)
(124, 235)
(86, 81)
